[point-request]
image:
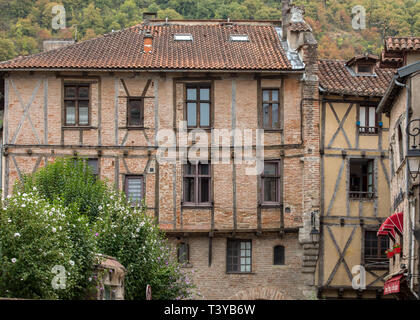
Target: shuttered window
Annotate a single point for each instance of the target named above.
(134, 188)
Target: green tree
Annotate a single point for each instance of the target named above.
(7, 49)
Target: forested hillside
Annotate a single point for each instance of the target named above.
(24, 24)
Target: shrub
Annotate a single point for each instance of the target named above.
(106, 223)
(35, 236)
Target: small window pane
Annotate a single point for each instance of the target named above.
(266, 114)
(270, 169)
(189, 190)
(70, 92)
(270, 189)
(135, 116)
(84, 92)
(362, 117)
(83, 112)
(275, 108)
(372, 117)
(93, 164)
(266, 95)
(204, 169)
(191, 94)
(279, 255)
(192, 114)
(183, 253)
(205, 94)
(275, 95)
(70, 112)
(205, 189)
(204, 114)
(190, 169)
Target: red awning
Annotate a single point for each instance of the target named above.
(392, 224)
(393, 285)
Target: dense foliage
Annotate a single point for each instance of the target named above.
(63, 213)
(25, 23)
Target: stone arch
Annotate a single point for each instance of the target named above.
(260, 294)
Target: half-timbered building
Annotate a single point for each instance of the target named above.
(109, 98)
(355, 178)
(401, 106)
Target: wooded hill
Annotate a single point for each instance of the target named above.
(24, 24)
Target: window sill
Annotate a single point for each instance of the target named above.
(240, 273)
(195, 206)
(270, 205)
(78, 127)
(132, 128)
(271, 130)
(363, 198)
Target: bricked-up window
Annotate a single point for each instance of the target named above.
(135, 112)
(400, 144)
(368, 120)
(76, 104)
(133, 188)
(198, 105)
(374, 253)
(270, 183)
(183, 253)
(197, 184)
(361, 178)
(278, 255)
(239, 255)
(270, 109)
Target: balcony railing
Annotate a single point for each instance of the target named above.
(368, 130)
(413, 135)
(361, 195)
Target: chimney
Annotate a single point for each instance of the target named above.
(285, 17)
(56, 44)
(148, 41)
(147, 16)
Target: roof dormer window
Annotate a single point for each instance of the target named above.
(363, 65)
(183, 37)
(239, 38)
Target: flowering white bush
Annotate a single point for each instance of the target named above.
(35, 236)
(97, 219)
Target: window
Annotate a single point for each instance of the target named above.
(183, 37)
(198, 106)
(278, 255)
(183, 253)
(374, 254)
(368, 120)
(76, 104)
(239, 37)
(197, 184)
(134, 188)
(361, 179)
(400, 144)
(94, 166)
(270, 182)
(271, 112)
(365, 68)
(239, 255)
(135, 112)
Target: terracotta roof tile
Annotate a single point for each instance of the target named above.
(299, 26)
(211, 49)
(335, 78)
(402, 44)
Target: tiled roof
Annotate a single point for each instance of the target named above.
(402, 44)
(211, 49)
(299, 26)
(336, 78)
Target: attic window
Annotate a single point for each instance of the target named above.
(364, 69)
(183, 37)
(239, 37)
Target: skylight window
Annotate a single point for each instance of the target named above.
(183, 37)
(239, 37)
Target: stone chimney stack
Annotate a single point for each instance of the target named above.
(148, 41)
(285, 19)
